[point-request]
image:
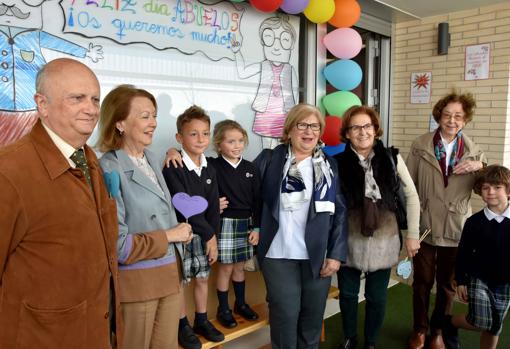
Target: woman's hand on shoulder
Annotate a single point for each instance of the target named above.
(412, 246)
(329, 267)
(182, 232)
(468, 166)
(174, 157)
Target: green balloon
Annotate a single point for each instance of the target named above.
(337, 103)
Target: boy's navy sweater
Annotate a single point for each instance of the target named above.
(180, 179)
(484, 251)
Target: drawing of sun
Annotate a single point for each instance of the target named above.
(421, 80)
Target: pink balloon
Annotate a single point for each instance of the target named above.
(343, 43)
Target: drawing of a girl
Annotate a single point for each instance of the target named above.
(278, 84)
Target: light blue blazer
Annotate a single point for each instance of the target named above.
(142, 208)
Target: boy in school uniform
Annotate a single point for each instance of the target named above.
(482, 273)
(196, 178)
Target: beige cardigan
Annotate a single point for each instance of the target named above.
(443, 210)
(412, 200)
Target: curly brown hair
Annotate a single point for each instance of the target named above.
(493, 174)
(466, 99)
(356, 110)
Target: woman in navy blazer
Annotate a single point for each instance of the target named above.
(303, 236)
(150, 238)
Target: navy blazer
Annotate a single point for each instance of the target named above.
(325, 234)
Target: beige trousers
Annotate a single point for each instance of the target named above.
(152, 324)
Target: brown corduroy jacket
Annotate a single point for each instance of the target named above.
(57, 249)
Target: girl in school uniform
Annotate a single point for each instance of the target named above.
(239, 185)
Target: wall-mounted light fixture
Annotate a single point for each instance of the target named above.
(443, 38)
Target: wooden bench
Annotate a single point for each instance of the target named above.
(245, 327)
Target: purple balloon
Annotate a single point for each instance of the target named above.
(294, 6)
(189, 205)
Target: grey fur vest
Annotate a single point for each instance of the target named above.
(381, 251)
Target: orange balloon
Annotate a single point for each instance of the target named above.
(347, 13)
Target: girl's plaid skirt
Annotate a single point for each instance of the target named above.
(195, 263)
(233, 245)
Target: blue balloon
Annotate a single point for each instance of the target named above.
(332, 150)
(343, 74)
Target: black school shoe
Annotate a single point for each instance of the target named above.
(246, 312)
(226, 319)
(207, 330)
(188, 339)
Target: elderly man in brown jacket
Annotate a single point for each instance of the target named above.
(58, 225)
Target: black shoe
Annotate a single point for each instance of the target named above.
(246, 312)
(208, 330)
(188, 339)
(349, 343)
(226, 319)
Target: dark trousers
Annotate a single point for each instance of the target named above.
(376, 291)
(439, 263)
(296, 303)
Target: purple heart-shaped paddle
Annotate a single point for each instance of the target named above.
(189, 205)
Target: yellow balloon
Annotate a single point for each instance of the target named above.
(320, 11)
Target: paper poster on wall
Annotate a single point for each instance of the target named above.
(477, 62)
(421, 87)
(226, 57)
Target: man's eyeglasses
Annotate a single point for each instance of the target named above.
(358, 128)
(303, 126)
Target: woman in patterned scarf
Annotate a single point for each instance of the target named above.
(303, 236)
(442, 164)
(371, 176)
